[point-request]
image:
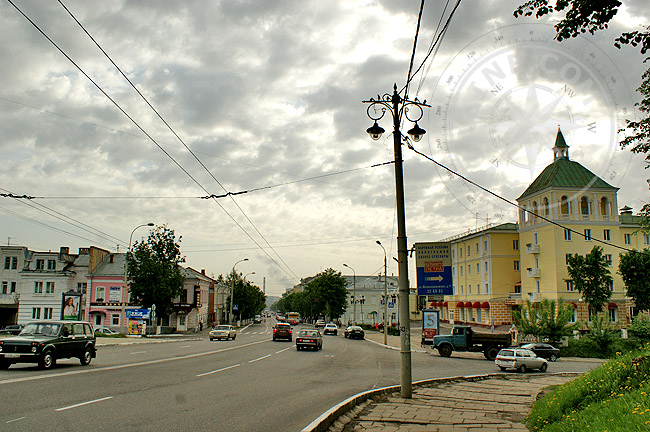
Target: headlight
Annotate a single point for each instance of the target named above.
(33, 349)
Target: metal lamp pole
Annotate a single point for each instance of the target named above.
(385, 296)
(354, 294)
(125, 269)
(232, 290)
(376, 110)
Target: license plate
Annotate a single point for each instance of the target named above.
(12, 355)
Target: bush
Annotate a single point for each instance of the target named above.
(640, 328)
(587, 347)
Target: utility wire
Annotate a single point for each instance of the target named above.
(415, 44)
(432, 45)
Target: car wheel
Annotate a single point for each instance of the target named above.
(553, 357)
(274, 339)
(47, 360)
(4, 365)
(298, 347)
(290, 339)
(543, 367)
(444, 350)
(491, 353)
(502, 368)
(211, 339)
(233, 338)
(87, 357)
(522, 368)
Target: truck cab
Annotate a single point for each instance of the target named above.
(464, 338)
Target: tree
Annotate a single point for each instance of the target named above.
(602, 332)
(249, 298)
(591, 277)
(154, 273)
(547, 318)
(590, 16)
(634, 267)
(527, 319)
(640, 328)
(328, 293)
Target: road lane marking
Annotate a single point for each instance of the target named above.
(283, 350)
(15, 420)
(138, 352)
(185, 346)
(218, 370)
(261, 358)
(129, 365)
(84, 403)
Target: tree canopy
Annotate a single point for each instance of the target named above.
(591, 277)
(154, 273)
(324, 295)
(249, 298)
(634, 268)
(547, 318)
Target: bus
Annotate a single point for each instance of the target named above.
(293, 318)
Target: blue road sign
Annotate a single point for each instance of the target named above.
(433, 268)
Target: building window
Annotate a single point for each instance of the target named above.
(517, 289)
(453, 271)
(478, 268)
(564, 205)
(13, 287)
(7, 262)
(5, 287)
(51, 264)
(608, 260)
(485, 247)
(627, 238)
(574, 316)
(567, 234)
(461, 270)
(99, 294)
(646, 239)
(566, 258)
(539, 288)
(487, 289)
(469, 269)
(453, 254)
(587, 234)
(47, 313)
(477, 250)
(607, 235)
(14, 263)
(49, 287)
(38, 287)
(469, 289)
(478, 315)
(40, 264)
(611, 286)
(460, 249)
(515, 244)
(36, 313)
(82, 287)
(612, 315)
(584, 206)
(469, 250)
(570, 286)
(115, 319)
(462, 289)
(516, 265)
(535, 238)
(485, 263)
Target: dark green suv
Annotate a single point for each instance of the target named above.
(44, 342)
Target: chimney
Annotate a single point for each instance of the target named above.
(110, 258)
(65, 250)
(203, 272)
(626, 210)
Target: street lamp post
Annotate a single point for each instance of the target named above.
(399, 107)
(232, 290)
(123, 317)
(354, 294)
(385, 296)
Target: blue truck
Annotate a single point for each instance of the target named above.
(464, 338)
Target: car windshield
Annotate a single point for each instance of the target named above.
(222, 328)
(507, 353)
(40, 328)
(308, 333)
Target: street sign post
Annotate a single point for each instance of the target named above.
(433, 265)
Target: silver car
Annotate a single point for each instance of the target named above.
(520, 359)
(223, 332)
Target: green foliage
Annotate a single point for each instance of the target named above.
(634, 268)
(325, 295)
(640, 328)
(249, 298)
(611, 397)
(591, 277)
(154, 274)
(545, 319)
(586, 347)
(602, 332)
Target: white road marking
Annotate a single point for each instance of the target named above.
(15, 420)
(283, 350)
(261, 358)
(84, 403)
(218, 370)
(185, 346)
(138, 352)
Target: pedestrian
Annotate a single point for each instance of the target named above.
(201, 325)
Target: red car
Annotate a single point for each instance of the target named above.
(282, 331)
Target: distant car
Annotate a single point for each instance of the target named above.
(282, 331)
(222, 331)
(11, 329)
(309, 339)
(44, 342)
(280, 318)
(257, 319)
(330, 328)
(105, 331)
(354, 332)
(543, 350)
(520, 359)
(319, 323)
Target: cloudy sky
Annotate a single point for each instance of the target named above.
(268, 96)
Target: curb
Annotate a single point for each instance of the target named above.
(325, 420)
(144, 341)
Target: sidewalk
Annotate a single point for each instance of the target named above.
(135, 340)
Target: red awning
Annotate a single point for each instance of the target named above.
(468, 304)
(460, 304)
(575, 306)
(476, 305)
(485, 305)
(433, 304)
(445, 304)
(612, 305)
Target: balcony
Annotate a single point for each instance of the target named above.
(532, 248)
(535, 297)
(532, 272)
(9, 299)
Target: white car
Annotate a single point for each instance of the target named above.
(330, 328)
(223, 331)
(520, 359)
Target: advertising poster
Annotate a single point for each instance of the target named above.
(115, 294)
(430, 325)
(433, 268)
(71, 306)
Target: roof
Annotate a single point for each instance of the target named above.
(108, 268)
(565, 174)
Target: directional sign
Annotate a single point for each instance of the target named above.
(433, 265)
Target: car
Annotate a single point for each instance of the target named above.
(280, 318)
(282, 330)
(45, 342)
(257, 319)
(11, 329)
(222, 331)
(543, 350)
(319, 323)
(105, 331)
(309, 338)
(520, 359)
(354, 332)
(330, 328)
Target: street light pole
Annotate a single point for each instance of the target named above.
(385, 295)
(123, 317)
(398, 107)
(232, 290)
(354, 294)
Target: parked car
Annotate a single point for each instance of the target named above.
(354, 332)
(222, 331)
(105, 331)
(520, 359)
(543, 350)
(44, 342)
(330, 328)
(309, 339)
(282, 330)
(11, 329)
(319, 323)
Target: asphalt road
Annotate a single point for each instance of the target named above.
(249, 384)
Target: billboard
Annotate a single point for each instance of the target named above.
(430, 325)
(71, 306)
(433, 265)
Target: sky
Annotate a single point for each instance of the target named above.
(263, 100)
